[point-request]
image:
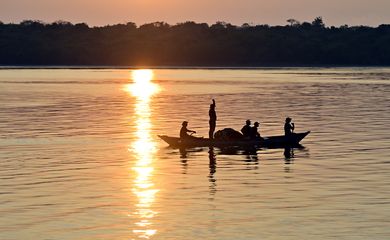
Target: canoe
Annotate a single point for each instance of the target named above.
(273, 141)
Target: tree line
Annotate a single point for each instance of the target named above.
(193, 44)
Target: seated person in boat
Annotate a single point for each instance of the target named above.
(246, 130)
(184, 131)
(288, 127)
(254, 133)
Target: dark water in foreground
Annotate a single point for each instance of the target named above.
(80, 157)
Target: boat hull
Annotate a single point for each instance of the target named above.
(270, 142)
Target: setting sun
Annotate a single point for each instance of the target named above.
(142, 86)
(142, 75)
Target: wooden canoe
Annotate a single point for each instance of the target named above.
(273, 141)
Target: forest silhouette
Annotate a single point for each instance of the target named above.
(194, 44)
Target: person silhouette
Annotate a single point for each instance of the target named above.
(288, 127)
(184, 131)
(213, 120)
(254, 134)
(246, 129)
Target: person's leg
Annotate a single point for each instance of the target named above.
(212, 129)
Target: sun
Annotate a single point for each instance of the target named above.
(142, 76)
(142, 87)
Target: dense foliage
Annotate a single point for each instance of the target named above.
(193, 44)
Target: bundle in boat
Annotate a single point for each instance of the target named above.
(228, 134)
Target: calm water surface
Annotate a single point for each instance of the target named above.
(80, 157)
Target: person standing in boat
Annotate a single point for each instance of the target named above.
(213, 120)
(184, 131)
(246, 130)
(288, 127)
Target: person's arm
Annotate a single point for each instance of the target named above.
(214, 102)
(292, 126)
(188, 130)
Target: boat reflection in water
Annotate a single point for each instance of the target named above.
(144, 149)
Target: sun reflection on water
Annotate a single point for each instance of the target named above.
(144, 148)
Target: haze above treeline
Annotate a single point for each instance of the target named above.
(194, 44)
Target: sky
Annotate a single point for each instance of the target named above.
(237, 12)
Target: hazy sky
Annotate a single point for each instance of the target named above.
(273, 12)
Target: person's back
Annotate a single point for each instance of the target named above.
(183, 132)
(246, 130)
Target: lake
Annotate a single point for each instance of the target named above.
(80, 157)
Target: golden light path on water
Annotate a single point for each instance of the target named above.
(144, 148)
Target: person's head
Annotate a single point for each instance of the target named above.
(248, 122)
(184, 124)
(212, 106)
(288, 120)
(256, 124)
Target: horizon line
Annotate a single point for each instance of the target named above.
(249, 24)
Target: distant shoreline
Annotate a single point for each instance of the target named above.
(193, 45)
